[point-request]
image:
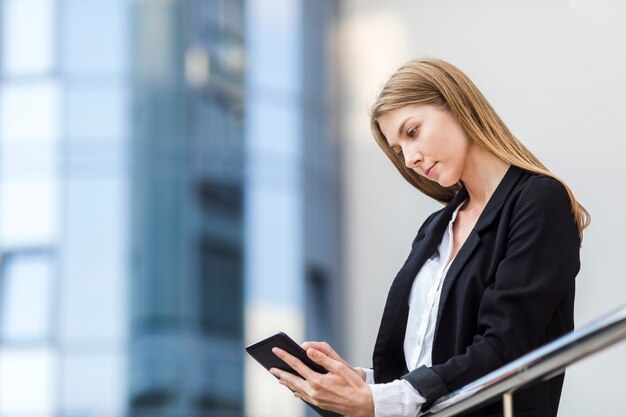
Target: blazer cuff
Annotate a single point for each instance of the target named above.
(428, 384)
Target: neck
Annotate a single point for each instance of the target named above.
(481, 176)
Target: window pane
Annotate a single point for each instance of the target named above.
(221, 295)
(28, 212)
(27, 36)
(27, 379)
(95, 29)
(29, 112)
(96, 113)
(25, 281)
(93, 382)
(93, 255)
(28, 160)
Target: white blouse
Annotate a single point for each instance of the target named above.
(399, 398)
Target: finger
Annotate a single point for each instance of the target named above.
(323, 347)
(295, 363)
(326, 361)
(308, 344)
(298, 386)
(291, 381)
(279, 373)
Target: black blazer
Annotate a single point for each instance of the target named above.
(509, 290)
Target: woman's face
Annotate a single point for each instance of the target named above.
(430, 139)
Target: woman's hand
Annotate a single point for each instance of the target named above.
(342, 389)
(327, 350)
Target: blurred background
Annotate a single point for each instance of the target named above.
(180, 178)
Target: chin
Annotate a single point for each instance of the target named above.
(445, 183)
(448, 182)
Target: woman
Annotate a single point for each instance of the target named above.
(490, 276)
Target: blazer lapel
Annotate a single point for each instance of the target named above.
(389, 343)
(489, 214)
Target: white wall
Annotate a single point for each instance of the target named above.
(556, 73)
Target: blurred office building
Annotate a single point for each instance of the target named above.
(168, 194)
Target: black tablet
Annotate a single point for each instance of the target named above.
(262, 352)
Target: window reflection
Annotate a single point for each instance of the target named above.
(27, 382)
(29, 112)
(28, 212)
(187, 208)
(25, 297)
(27, 37)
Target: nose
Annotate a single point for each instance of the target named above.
(411, 157)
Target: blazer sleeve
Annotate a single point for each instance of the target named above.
(539, 263)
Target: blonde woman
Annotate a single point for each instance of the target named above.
(490, 276)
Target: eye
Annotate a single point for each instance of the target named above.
(412, 132)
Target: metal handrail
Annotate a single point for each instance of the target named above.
(540, 364)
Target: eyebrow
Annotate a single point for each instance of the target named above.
(401, 129)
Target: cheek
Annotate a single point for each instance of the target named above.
(458, 152)
(451, 171)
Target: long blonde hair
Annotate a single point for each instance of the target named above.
(434, 81)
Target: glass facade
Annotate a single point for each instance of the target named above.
(292, 233)
(126, 164)
(30, 115)
(187, 204)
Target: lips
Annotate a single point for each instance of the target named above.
(427, 172)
